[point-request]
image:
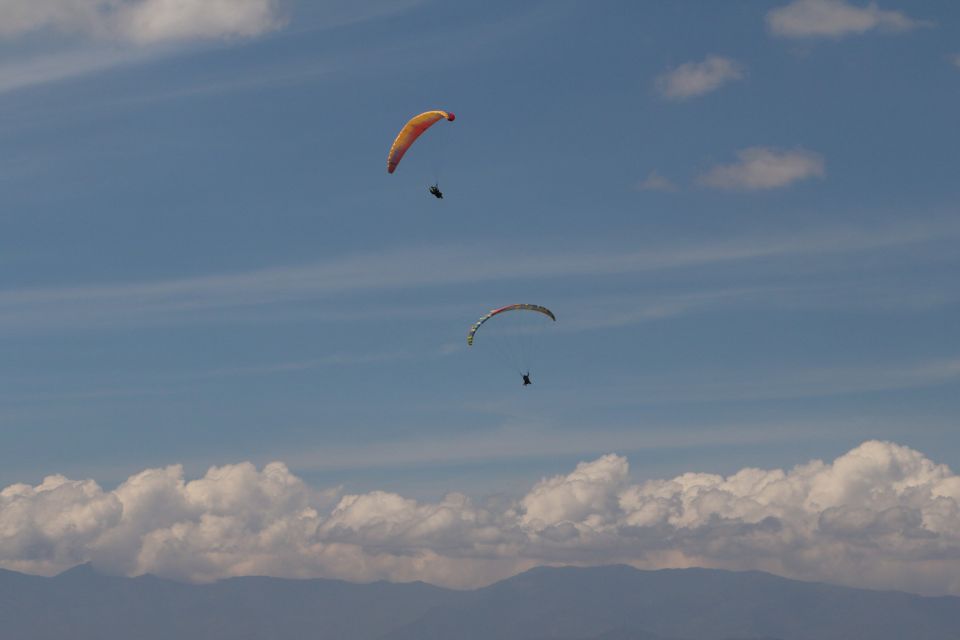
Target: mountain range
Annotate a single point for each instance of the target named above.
(548, 603)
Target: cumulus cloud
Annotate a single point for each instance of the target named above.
(141, 21)
(697, 78)
(764, 168)
(835, 19)
(881, 515)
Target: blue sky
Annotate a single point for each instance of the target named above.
(204, 260)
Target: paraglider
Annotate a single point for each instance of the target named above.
(410, 132)
(435, 191)
(512, 342)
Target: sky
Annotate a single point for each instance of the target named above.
(216, 304)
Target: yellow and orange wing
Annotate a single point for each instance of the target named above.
(410, 132)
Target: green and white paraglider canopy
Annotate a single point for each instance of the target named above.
(511, 336)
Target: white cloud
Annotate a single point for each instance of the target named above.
(881, 515)
(112, 33)
(764, 168)
(588, 494)
(54, 524)
(151, 21)
(834, 19)
(141, 21)
(697, 78)
(656, 182)
(103, 34)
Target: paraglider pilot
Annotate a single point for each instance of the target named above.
(526, 379)
(435, 190)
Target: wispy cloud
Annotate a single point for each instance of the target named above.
(336, 359)
(715, 386)
(105, 34)
(587, 313)
(593, 313)
(142, 21)
(147, 303)
(656, 182)
(759, 168)
(698, 78)
(24, 16)
(522, 439)
(45, 68)
(835, 19)
(154, 21)
(813, 382)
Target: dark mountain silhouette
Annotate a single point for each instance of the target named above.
(81, 604)
(600, 603)
(692, 604)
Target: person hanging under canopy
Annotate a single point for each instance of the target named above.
(519, 365)
(435, 191)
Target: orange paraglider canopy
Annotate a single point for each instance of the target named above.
(410, 132)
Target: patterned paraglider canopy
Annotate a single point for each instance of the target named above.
(512, 307)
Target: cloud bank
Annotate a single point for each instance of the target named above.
(697, 78)
(835, 19)
(882, 515)
(141, 21)
(763, 168)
